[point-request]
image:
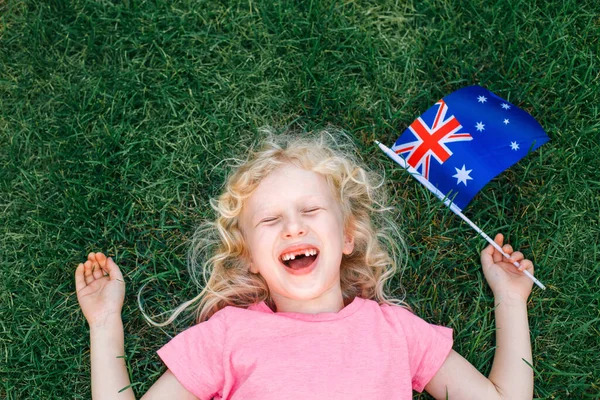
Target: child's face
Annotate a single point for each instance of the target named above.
(294, 210)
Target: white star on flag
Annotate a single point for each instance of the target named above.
(506, 121)
(482, 99)
(480, 126)
(505, 106)
(514, 146)
(462, 175)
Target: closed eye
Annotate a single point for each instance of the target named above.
(271, 219)
(311, 210)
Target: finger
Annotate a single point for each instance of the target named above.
(101, 260)
(489, 255)
(113, 270)
(497, 255)
(526, 265)
(87, 272)
(79, 278)
(516, 256)
(486, 255)
(96, 270)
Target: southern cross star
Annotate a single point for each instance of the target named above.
(462, 175)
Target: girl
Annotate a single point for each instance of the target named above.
(295, 305)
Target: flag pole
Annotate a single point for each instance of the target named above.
(399, 160)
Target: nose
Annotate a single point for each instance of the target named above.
(294, 227)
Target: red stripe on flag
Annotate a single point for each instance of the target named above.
(439, 114)
(402, 150)
(431, 142)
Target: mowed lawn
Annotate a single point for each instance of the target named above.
(117, 119)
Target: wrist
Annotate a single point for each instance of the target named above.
(106, 322)
(510, 298)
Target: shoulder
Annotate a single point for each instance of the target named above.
(214, 330)
(401, 318)
(228, 315)
(234, 316)
(218, 323)
(393, 315)
(401, 312)
(389, 311)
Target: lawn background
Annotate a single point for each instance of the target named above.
(115, 116)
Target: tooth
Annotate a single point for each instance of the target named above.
(293, 257)
(307, 253)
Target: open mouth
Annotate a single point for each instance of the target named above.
(299, 260)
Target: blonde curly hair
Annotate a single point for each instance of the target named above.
(218, 254)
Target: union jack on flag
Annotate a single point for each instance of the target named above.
(473, 135)
(431, 140)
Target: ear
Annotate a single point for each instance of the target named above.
(251, 265)
(348, 242)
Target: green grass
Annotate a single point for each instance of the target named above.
(115, 116)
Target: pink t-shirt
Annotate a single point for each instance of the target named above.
(364, 351)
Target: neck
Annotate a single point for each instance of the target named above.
(331, 301)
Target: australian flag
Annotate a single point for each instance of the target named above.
(466, 139)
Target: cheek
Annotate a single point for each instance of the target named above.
(259, 241)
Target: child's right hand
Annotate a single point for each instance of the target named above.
(99, 295)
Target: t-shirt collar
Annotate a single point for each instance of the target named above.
(326, 316)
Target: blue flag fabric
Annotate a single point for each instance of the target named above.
(466, 139)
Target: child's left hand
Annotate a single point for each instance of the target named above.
(502, 276)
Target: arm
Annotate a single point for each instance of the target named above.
(510, 372)
(510, 377)
(101, 298)
(109, 372)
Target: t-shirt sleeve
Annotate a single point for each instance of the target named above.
(428, 347)
(195, 357)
